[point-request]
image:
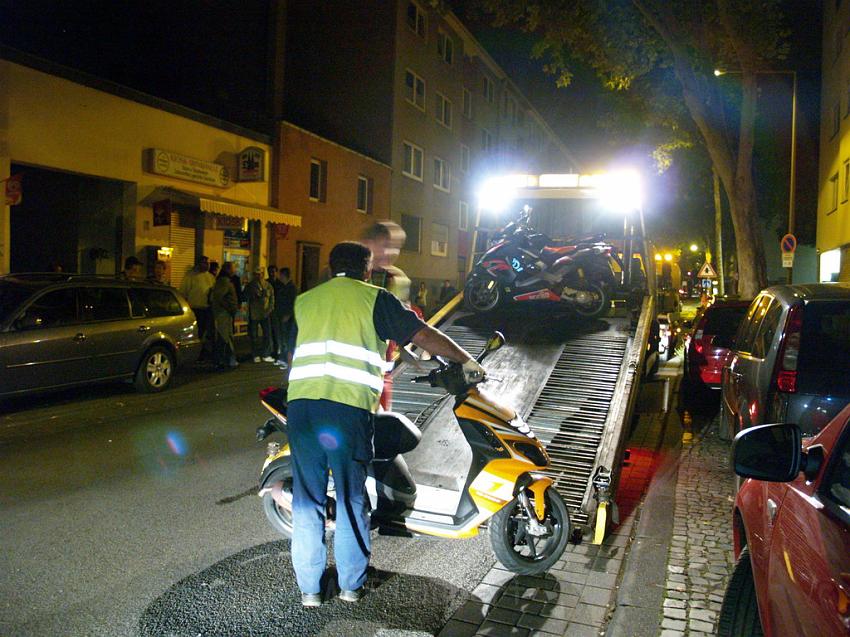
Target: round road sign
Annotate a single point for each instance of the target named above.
(788, 243)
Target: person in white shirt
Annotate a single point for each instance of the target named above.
(196, 288)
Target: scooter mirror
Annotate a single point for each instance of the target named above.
(495, 342)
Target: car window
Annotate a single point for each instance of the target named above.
(767, 329)
(723, 321)
(53, 309)
(103, 304)
(12, 294)
(836, 486)
(823, 365)
(746, 336)
(154, 303)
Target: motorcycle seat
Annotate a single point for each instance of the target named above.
(394, 434)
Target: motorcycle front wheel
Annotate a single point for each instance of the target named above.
(521, 552)
(482, 294)
(599, 304)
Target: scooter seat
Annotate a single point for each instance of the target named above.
(394, 434)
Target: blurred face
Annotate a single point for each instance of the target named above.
(159, 269)
(258, 275)
(227, 268)
(135, 271)
(204, 265)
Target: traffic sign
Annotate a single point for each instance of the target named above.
(706, 272)
(787, 259)
(788, 244)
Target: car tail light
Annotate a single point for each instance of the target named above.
(699, 345)
(785, 374)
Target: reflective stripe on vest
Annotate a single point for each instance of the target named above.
(340, 372)
(345, 350)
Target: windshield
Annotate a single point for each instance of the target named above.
(723, 321)
(12, 294)
(824, 362)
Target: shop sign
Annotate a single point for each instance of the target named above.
(225, 222)
(14, 189)
(162, 212)
(281, 230)
(163, 162)
(237, 239)
(251, 164)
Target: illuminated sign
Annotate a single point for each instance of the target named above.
(163, 162)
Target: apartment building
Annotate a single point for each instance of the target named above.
(833, 230)
(406, 82)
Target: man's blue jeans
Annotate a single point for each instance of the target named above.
(328, 435)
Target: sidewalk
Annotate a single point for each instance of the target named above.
(660, 572)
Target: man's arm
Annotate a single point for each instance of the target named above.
(435, 342)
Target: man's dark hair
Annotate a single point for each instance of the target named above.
(129, 262)
(285, 272)
(351, 258)
(377, 230)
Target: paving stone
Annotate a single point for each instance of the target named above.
(519, 604)
(556, 611)
(589, 614)
(602, 580)
(549, 624)
(456, 628)
(472, 612)
(596, 596)
(581, 630)
(486, 593)
(503, 616)
(706, 627)
(674, 603)
(676, 613)
(702, 615)
(498, 578)
(672, 633)
(494, 629)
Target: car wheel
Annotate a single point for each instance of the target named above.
(739, 614)
(156, 370)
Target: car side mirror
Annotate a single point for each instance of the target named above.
(773, 453)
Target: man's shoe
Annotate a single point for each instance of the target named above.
(257, 359)
(269, 359)
(282, 364)
(311, 600)
(351, 596)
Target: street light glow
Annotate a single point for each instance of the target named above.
(668, 257)
(694, 247)
(621, 191)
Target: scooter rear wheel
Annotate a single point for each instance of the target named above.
(600, 303)
(279, 517)
(522, 552)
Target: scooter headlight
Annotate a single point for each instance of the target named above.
(531, 452)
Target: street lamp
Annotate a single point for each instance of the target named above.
(694, 247)
(792, 179)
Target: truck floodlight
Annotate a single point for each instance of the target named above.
(621, 191)
(558, 181)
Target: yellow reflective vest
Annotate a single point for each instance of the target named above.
(338, 354)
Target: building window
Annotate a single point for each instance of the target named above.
(414, 89)
(486, 140)
(463, 216)
(833, 183)
(444, 111)
(489, 89)
(510, 108)
(442, 175)
(439, 240)
(365, 186)
(467, 104)
(412, 227)
(318, 180)
(446, 48)
(412, 161)
(846, 192)
(464, 158)
(416, 19)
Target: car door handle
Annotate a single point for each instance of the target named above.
(144, 328)
(80, 337)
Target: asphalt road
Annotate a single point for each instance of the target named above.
(128, 514)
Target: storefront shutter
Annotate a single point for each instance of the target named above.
(183, 257)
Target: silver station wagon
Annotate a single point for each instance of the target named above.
(61, 330)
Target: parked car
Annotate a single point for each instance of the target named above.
(791, 527)
(708, 345)
(59, 330)
(790, 360)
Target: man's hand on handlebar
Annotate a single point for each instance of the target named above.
(473, 372)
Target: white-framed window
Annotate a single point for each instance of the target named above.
(412, 161)
(414, 89)
(846, 192)
(489, 89)
(463, 216)
(467, 104)
(416, 19)
(833, 183)
(318, 180)
(465, 160)
(486, 140)
(412, 227)
(439, 240)
(445, 47)
(442, 175)
(444, 110)
(365, 186)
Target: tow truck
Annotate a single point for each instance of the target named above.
(574, 382)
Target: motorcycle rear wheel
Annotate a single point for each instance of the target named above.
(522, 553)
(482, 294)
(601, 303)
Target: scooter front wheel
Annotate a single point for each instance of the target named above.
(482, 294)
(523, 549)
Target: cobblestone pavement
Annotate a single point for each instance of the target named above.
(700, 560)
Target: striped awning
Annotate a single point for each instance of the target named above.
(227, 207)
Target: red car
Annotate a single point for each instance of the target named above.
(709, 344)
(792, 533)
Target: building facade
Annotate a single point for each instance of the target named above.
(106, 174)
(408, 84)
(833, 229)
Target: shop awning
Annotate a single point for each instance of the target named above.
(221, 206)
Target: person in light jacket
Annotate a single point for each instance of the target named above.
(224, 303)
(260, 307)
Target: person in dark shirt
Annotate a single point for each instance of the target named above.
(284, 303)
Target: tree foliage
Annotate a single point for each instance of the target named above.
(659, 57)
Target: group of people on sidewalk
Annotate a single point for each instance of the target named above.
(216, 295)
